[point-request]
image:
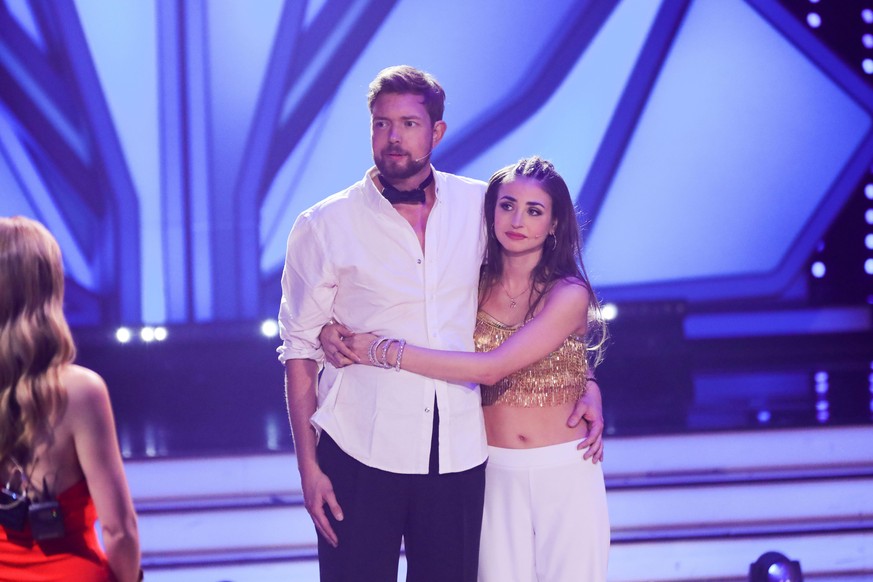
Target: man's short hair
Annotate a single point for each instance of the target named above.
(405, 79)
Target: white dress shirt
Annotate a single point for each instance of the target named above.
(352, 257)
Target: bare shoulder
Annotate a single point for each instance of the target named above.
(569, 290)
(84, 387)
(567, 302)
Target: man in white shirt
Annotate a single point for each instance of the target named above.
(398, 456)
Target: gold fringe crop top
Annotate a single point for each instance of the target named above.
(557, 379)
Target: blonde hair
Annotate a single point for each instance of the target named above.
(35, 340)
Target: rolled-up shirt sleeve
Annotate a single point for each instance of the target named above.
(308, 293)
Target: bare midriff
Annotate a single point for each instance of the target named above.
(515, 427)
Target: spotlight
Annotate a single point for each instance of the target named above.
(160, 333)
(270, 328)
(609, 311)
(775, 567)
(147, 334)
(123, 335)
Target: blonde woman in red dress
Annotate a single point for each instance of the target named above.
(59, 457)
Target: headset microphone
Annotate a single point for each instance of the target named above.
(415, 161)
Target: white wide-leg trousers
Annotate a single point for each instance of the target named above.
(545, 517)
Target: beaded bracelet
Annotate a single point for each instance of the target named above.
(383, 355)
(399, 355)
(371, 352)
(377, 353)
(383, 361)
(374, 347)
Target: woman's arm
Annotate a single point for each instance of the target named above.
(97, 448)
(565, 311)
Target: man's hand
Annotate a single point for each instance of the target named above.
(335, 351)
(318, 492)
(590, 409)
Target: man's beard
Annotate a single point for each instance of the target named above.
(394, 171)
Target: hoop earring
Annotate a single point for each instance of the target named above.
(554, 241)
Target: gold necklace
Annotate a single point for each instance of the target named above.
(512, 300)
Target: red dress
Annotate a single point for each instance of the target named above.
(76, 557)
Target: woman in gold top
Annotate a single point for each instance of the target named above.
(538, 336)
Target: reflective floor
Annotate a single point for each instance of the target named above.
(699, 506)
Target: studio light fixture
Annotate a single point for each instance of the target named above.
(775, 567)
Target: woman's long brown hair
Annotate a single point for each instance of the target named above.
(562, 255)
(35, 340)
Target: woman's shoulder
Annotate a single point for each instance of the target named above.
(570, 289)
(567, 302)
(83, 386)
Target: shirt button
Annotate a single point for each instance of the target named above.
(418, 261)
(427, 409)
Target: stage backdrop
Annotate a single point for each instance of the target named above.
(170, 144)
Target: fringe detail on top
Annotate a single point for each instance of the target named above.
(557, 379)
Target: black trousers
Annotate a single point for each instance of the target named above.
(439, 518)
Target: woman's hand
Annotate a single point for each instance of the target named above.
(359, 346)
(589, 409)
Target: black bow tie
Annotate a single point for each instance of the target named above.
(395, 196)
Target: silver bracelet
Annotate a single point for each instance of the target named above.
(371, 352)
(377, 354)
(399, 355)
(383, 362)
